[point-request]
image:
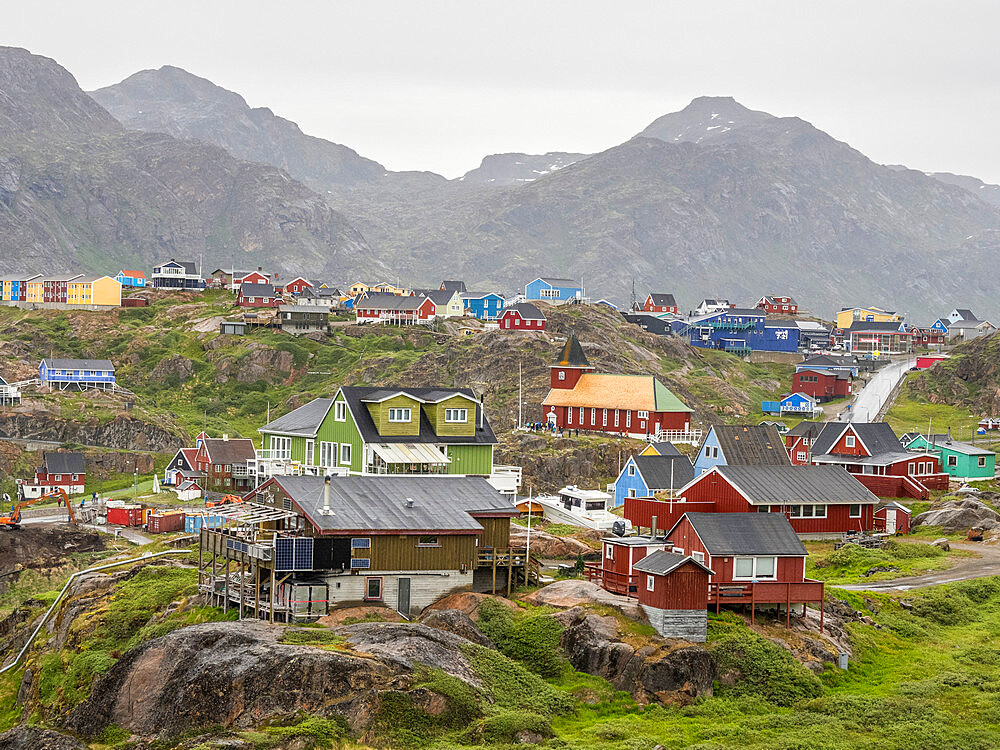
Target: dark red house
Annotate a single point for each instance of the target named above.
(778, 305)
(799, 441)
(756, 559)
(660, 303)
(816, 499)
(257, 295)
(252, 277)
(871, 452)
(297, 285)
(223, 461)
(619, 554)
(927, 337)
(893, 518)
(672, 590)
(822, 385)
(65, 471)
(523, 316)
(634, 405)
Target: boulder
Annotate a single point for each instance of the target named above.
(655, 670)
(173, 367)
(549, 546)
(457, 622)
(959, 515)
(229, 674)
(36, 738)
(467, 602)
(574, 592)
(942, 543)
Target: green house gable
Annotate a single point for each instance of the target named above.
(399, 415)
(462, 411)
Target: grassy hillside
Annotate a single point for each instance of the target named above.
(187, 376)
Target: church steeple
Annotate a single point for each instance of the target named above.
(572, 363)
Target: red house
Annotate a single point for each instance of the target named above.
(799, 441)
(816, 499)
(297, 285)
(778, 305)
(822, 385)
(872, 453)
(54, 287)
(756, 559)
(634, 405)
(893, 518)
(252, 277)
(523, 316)
(65, 471)
(927, 337)
(619, 554)
(224, 464)
(393, 309)
(660, 303)
(257, 295)
(672, 590)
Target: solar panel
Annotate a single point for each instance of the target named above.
(304, 554)
(283, 553)
(361, 562)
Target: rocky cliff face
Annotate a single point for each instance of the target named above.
(122, 432)
(970, 377)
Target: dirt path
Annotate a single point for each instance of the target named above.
(986, 564)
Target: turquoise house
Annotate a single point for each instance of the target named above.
(958, 460)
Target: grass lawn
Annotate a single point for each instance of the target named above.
(852, 564)
(911, 413)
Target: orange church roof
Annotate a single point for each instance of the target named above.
(631, 392)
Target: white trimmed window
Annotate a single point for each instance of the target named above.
(854, 511)
(569, 415)
(562, 375)
(699, 556)
(650, 583)
(632, 492)
(644, 415)
(281, 447)
(616, 417)
(849, 441)
(340, 411)
(310, 452)
(400, 414)
(628, 419)
(609, 551)
(581, 415)
(631, 470)
(807, 511)
(345, 454)
(747, 568)
(593, 415)
(801, 456)
(952, 462)
(456, 415)
(604, 423)
(327, 454)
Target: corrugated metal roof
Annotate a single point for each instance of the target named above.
(662, 562)
(304, 421)
(746, 534)
(409, 453)
(64, 463)
(230, 451)
(526, 310)
(794, 485)
(256, 290)
(370, 504)
(78, 364)
(655, 471)
(746, 444)
(666, 300)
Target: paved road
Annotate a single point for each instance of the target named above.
(868, 402)
(987, 564)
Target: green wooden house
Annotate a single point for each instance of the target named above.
(958, 460)
(366, 430)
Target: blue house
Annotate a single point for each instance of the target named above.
(794, 403)
(131, 278)
(82, 373)
(941, 325)
(741, 445)
(554, 291)
(484, 305)
(644, 476)
(741, 331)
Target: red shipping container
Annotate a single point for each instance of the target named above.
(162, 523)
(125, 516)
(134, 302)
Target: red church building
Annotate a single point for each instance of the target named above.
(523, 316)
(660, 303)
(633, 405)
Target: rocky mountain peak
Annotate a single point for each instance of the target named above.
(705, 118)
(517, 168)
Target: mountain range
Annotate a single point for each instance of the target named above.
(714, 200)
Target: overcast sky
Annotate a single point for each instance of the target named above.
(438, 85)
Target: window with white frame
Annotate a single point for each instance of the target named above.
(310, 452)
(281, 447)
(632, 492)
(807, 511)
(616, 417)
(569, 415)
(628, 419)
(456, 415)
(644, 415)
(548, 293)
(327, 454)
(609, 551)
(593, 415)
(801, 456)
(849, 441)
(982, 462)
(340, 411)
(604, 422)
(855, 510)
(400, 414)
(345, 454)
(952, 461)
(562, 375)
(581, 415)
(650, 583)
(631, 470)
(747, 568)
(699, 556)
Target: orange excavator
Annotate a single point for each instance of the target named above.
(227, 500)
(12, 520)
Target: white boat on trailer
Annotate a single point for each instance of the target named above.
(577, 507)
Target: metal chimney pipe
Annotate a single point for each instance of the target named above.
(326, 510)
(653, 530)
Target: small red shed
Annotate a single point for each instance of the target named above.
(523, 316)
(673, 592)
(619, 554)
(893, 518)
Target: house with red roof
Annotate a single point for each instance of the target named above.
(135, 279)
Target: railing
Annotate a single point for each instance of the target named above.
(609, 580)
(692, 437)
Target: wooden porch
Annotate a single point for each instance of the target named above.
(512, 561)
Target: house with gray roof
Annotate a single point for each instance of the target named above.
(76, 374)
(177, 274)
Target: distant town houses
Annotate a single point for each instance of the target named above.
(849, 315)
(252, 294)
(555, 291)
(59, 471)
(134, 279)
(822, 385)
(960, 461)
(777, 304)
(523, 316)
(447, 302)
(483, 305)
(710, 306)
(177, 274)
(659, 303)
(62, 291)
(740, 331)
(394, 309)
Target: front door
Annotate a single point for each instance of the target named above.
(403, 597)
(890, 521)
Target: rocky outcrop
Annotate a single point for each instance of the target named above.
(551, 464)
(959, 515)
(457, 622)
(122, 432)
(233, 675)
(572, 593)
(36, 738)
(657, 670)
(172, 369)
(260, 362)
(970, 378)
(467, 602)
(549, 546)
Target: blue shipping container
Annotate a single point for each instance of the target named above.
(195, 523)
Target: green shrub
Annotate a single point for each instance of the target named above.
(763, 669)
(463, 701)
(511, 685)
(945, 606)
(530, 638)
(506, 725)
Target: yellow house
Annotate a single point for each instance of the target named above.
(867, 314)
(94, 290)
(383, 288)
(35, 291)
